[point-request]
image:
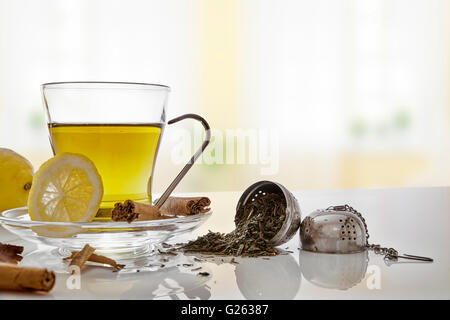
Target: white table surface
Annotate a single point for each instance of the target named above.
(412, 220)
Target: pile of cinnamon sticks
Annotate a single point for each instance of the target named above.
(18, 278)
(174, 206)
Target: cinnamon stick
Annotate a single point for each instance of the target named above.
(185, 206)
(10, 253)
(100, 259)
(80, 258)
(130, 211)
(14, 277)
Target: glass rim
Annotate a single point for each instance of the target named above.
(68, 84)
(8, 217)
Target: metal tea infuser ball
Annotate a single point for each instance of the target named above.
(292, 220)
(342, 229)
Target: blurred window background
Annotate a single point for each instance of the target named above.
(349, 93)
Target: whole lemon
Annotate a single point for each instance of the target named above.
(16, 175)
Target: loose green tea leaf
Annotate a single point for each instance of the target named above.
(257, 223)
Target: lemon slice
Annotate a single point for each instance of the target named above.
(66, 188)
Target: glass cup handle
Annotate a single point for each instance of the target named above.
(188, 166)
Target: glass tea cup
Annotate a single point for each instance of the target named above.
(119, 126)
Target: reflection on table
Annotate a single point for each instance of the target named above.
(332, 270)
(276, 278)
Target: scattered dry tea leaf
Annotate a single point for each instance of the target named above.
(168, 252)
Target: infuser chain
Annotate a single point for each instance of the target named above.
(389, 253)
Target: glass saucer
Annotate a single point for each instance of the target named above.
(120, 239)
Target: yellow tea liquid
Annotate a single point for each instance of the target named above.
(124, 155)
